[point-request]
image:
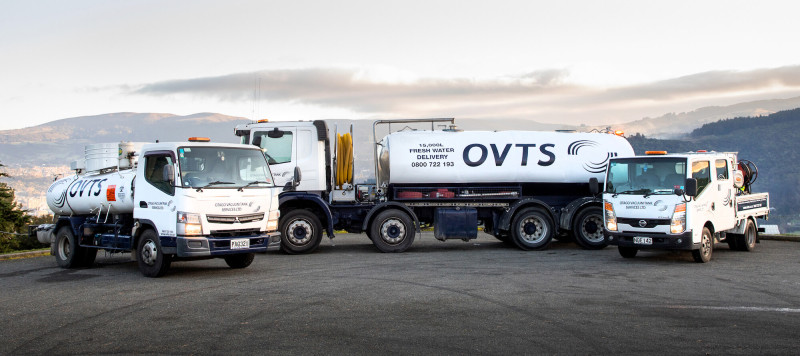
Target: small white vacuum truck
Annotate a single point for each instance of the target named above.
(684, 201)
(164, 202)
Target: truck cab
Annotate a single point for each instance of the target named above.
(681, 202)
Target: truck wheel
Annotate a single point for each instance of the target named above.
(628, 252)
(747, 241)
(703, 254)
(392, 231)
(68, 253)
(301, 232)
(89, 255)
(241, 260)
(532, 229)
(152, 262)
(588, 229)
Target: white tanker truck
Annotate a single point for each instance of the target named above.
(180, 201)
(524, 187)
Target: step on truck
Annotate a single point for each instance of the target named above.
(523, 187)
(164, 202)
(686, 201)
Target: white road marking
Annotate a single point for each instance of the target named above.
(744, 309)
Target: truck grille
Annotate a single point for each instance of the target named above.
(232, 219)
(649, 223)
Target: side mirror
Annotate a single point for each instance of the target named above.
(297, 176)
(257, 141)
(594, 186)
(275, 133)
(169, 174)
(690, 187)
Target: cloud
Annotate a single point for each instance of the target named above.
(544, 93)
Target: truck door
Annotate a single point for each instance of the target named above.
(702, 204)
(154, 197)
(724, 217)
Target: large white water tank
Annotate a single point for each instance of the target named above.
(443, 157)
(92, 193)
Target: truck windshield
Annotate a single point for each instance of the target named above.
(646, 175)
(223, 167)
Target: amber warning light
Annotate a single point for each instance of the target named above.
(199, 139)
(619, 133)
(655, 152)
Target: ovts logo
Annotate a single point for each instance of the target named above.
(591, 166)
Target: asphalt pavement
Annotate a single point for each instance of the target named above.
(477, 297)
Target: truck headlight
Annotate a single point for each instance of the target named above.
(678, 223)
(611, 217)
(189, 224)
(272, 222)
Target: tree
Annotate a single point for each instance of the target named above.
(13, 219)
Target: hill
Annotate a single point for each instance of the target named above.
(769, 141)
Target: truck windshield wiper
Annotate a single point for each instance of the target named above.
(634, 191)
(213, 183)
(241, 189)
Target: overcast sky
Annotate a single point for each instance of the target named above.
(593, 62)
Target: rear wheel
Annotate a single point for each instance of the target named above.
(532, 229)
(628, 252)
(588, 229)
(241, 260)
(392, 231)
(747, 241)
(301, 232)
(68, 253)
(703, 254)
(152, 261)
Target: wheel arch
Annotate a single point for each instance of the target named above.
(293, 200)
(505, 220)
(389, 205)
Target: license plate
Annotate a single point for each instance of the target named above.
(642, 240)
(240, 244)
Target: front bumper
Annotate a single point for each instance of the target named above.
(220, 246)
(660, 241)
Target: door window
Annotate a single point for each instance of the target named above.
(722, 169)
(154, 172)
(702, 172)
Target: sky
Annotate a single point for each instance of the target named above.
(590, 62)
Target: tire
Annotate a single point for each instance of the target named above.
(152, 262)
(587, 229)
(628, 252)
(68, 253)
(747, 241)
(392, 231)
(703, 254)
(89, 255)
(301, 232)
(532, 229)
(241, 260)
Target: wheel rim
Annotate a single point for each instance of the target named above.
(149, 252)
(64, 250)
(393, 231)
(590, 229)
(300, 232)
(705, 247)
(532, 230)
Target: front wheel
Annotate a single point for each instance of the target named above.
(628, 252)
(392, 231)
(301, 232)
(588, 229)
(703, 254)
(241, 260)
(151, 258)
(532, 229)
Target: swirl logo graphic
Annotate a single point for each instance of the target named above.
(590, 166)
